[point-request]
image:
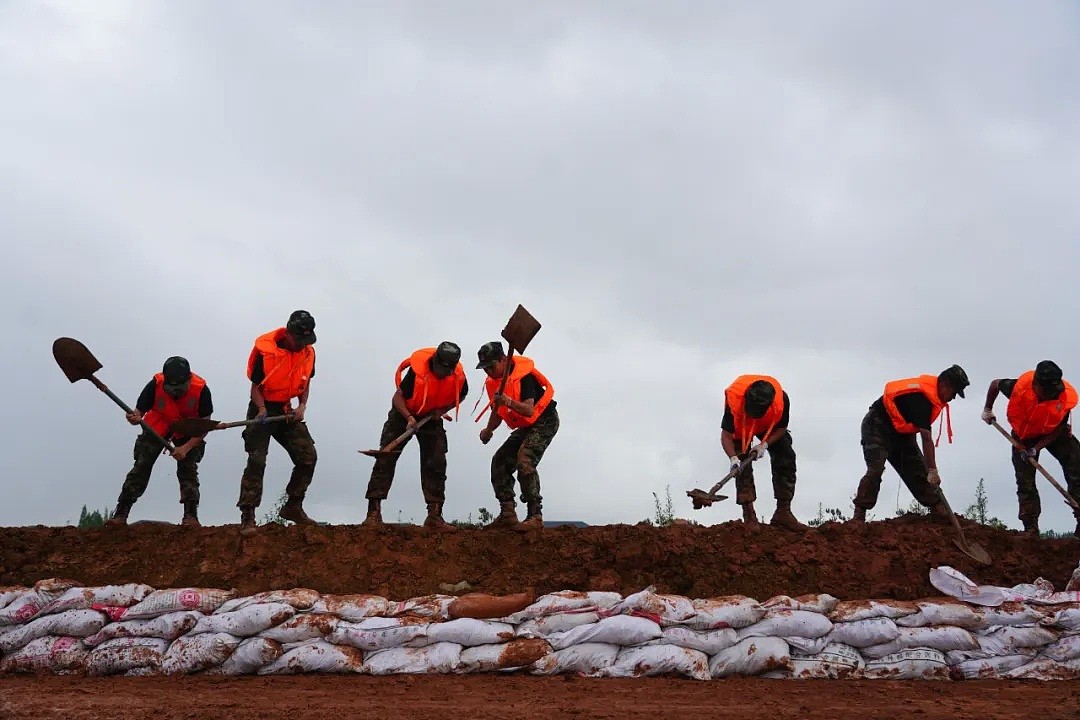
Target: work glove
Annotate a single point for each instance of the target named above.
(933, 478)
(759, 451)
(1028, 454)
(988, 416)
(735, 462)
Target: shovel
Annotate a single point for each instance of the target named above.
(197, 427)
(391, 447)
(1016, 443)
(78, 363)
(702, 498)
(971, 549)
(520, 329)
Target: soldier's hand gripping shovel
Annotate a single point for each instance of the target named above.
(1016, 443)
(78, 363)
(520, 329)
(197, 427)
(391, 447)
(702, 498)
(970, 548)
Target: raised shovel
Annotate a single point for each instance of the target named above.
(78, 363)
(1016, 443)
(702, 498)
(197, 427)
(520, 329)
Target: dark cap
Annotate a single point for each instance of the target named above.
(176, 370)
(489, 354)
(1048, 375)
(759, 396)
(301, 326)
(956, 377)
(447, 355)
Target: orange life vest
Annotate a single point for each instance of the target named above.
(286, 374)
(747, 427)
(430, 391)
(523, 366)
(1030, 417)
(925, 384)
(167, 409)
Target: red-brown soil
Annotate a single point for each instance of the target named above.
(882, 559)
(494, 697)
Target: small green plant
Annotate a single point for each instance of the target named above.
(978, 510)
(665, 512)
(271, 515)
(825, 515)
(484, 517)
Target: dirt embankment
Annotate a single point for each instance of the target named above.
(882, 559)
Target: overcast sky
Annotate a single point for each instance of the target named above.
(835, 193)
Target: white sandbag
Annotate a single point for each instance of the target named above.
(1046, 669)
(469, 632)
(58, 654)
(10, 593)
(615, 630)
(835, 661)
(939, 637)
(955, 584)
(250, 655)
(752, 656)
(378, 634)
(289, 647)
(559, 622)
(73, 623)
(352, 607)
(991, 668)
(820, 603)
(246, 622)
(520, 653)
(941, 613)
(1067, 619)
(83, 598)
(855, 610)
(652, 660)
(587, 659)
(317, 656)
(297, 598)
(117, 656)
(732, 611)
(194, 653)
(21, 609)
(1067, 648)
(160, 602)
(910, 664)
(441, 657)
(709, 642)
(305, 626)
(789, 623)
(564, 601)
(167, 627)
(669, 608)
(809, 646)
(1010, 613)
(435, 608)
(956, 657)
(864, 633)
(1003, 640)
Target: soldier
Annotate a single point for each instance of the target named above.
(905, 409)
(756, 406)
(281, 367)
(433, 384)
(527, 406)
(1040, 405)
(174, 393)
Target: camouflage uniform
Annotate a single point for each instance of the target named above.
(433, 447)
(146, 452)
(1066, 450)
(782, 460)
(297, 441)
(522, 452)
(881, 443)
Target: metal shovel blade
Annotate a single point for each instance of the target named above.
(379, 453)
(704, 499)
(77, 362)
(975, 551)
(520, 329)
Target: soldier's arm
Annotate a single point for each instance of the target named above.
(992, 393)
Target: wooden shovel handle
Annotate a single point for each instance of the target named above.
(1016, 443)
(146, 427)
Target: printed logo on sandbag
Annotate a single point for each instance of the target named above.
(189, 598)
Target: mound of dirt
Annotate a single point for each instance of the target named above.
(888, 559)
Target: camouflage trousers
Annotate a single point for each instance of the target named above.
(522, 452)
(146, 452)
(297, 441)
(782, 460)
(881, 443)
(431, 436)
(1066, 450)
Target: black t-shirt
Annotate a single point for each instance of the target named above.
(408, 385)
(914, 407)
(728, 421)
(258, 374)
(146, 400)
